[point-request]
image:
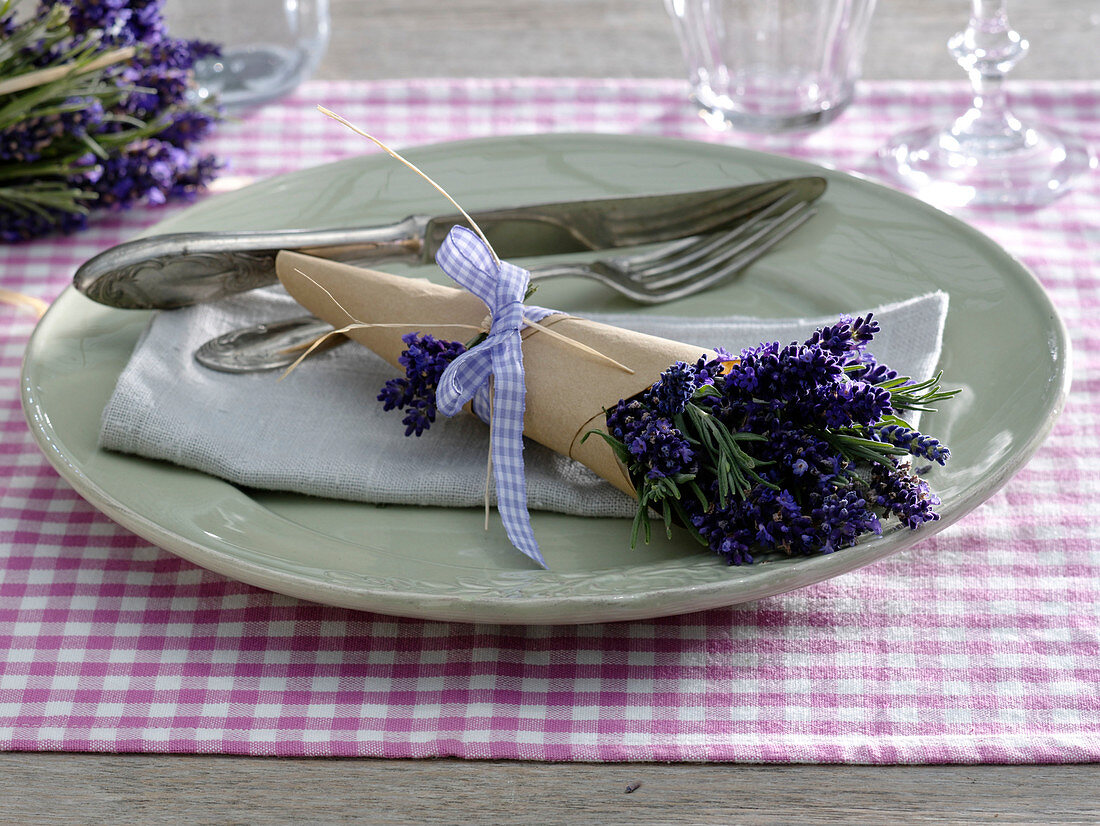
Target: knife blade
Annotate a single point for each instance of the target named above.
(178, 269)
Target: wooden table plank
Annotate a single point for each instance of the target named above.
(63, 789)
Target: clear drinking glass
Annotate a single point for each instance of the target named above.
(987, 157)
(268, 46)
(772, 65)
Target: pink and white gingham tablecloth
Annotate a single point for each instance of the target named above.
(981, 644)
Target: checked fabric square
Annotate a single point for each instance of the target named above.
(979, 644)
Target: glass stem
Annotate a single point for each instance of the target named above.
(988, 49)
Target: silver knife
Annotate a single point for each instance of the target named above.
(175, 270)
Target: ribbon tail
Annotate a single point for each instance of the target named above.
(467, 260)
(507, 447)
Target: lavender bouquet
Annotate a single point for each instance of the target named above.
(799, 448)
(97, 111)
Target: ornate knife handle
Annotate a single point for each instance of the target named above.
(175, 270)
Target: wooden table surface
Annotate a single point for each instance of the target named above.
(590, 38)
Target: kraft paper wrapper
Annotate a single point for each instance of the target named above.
(567, 389)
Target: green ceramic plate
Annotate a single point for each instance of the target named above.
(1005, 347)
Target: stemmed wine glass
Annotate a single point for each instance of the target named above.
(987, 157)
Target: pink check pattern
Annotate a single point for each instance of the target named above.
(982, 644)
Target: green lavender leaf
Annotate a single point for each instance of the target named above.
(917, 396)
(855, 447)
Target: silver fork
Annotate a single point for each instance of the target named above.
(671, 271)
(690, 265)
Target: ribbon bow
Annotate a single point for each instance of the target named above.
(502, 286)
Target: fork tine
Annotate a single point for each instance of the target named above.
(726, 266)
(704, 216)
(677, 266)
(677, 254)
(723, 260)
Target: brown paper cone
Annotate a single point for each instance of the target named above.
(567, 389)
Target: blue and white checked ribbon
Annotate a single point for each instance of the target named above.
(502, 286)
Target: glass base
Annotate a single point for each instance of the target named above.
(244, 77)
(940, 167)
(763, 106)
(723, 118)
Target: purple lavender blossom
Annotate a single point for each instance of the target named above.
(424, 359)
(723, 530)
(673, 390)
(905, 495)
(652, 440)
(708, 369)
(916, 443)
(30, 139)
(146, 171)
(797, 451)
(847, 338)
(19, 225)
(146, 22)
(870, 371)
(846, 402)
(192, 181)
(110, 16)
(663, 448)
(841, 517)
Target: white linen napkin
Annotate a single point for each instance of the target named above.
(322, 432)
